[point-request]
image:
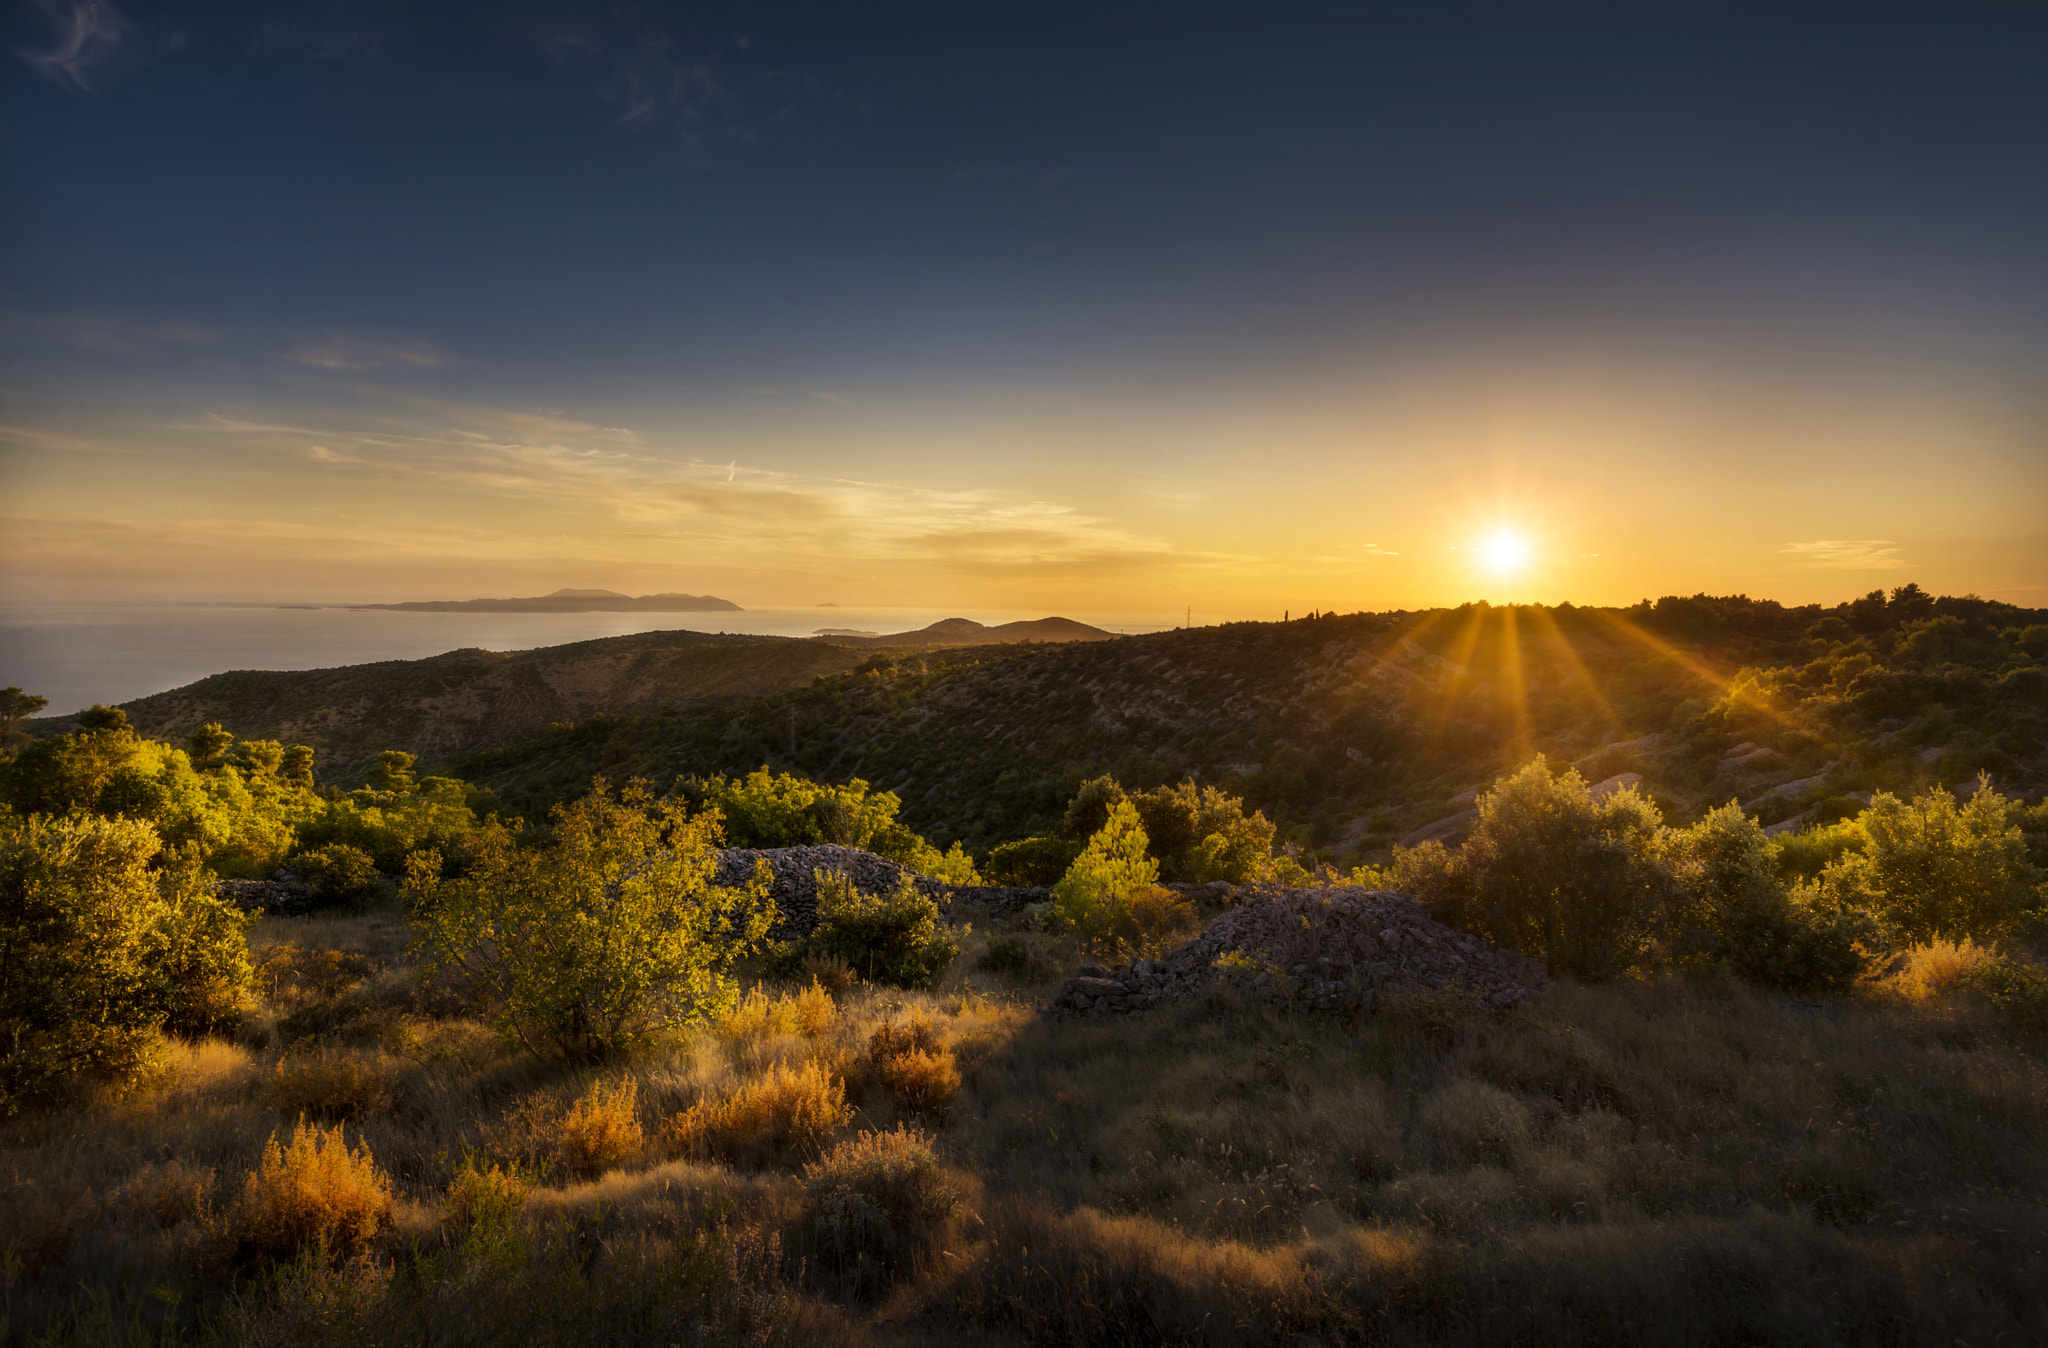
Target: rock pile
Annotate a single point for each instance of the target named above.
(1333, 948)
(287, 898)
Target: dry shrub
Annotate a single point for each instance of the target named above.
(808, 1013)
(878, 1205)
(1928, 972)
(915, 1065)
(485, 1197)
(169, 1193)
(316, 1191)
(829, 972)
(782, 1110)
(599, 1132)
(332, 1084)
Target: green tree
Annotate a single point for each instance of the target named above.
(208, 745)
(609, 935)
(15, 709)
(296, 765)
(1932, 868)
(100, 950)
(1096, 893)
(1552, 871)
(767, 809)
(1735, 907)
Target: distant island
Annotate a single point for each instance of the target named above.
(569, 601)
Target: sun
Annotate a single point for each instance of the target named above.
(1504, 552)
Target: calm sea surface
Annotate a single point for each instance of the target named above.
(77, 654)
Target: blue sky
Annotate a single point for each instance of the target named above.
(1082, 307)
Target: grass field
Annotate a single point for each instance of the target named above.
(1665, 1162)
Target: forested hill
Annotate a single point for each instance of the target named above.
(469, 698)
(1352, 730)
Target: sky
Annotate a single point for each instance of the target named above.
(1052, 307)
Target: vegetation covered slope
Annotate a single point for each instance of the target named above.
(1351, 730)
(464, 699)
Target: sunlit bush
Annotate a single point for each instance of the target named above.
(879, 1204)
(314, 1191)
(783, 1110)
(609, 935)
(913, 1062)
(767, 809)
(1932, 868)
(894, 938)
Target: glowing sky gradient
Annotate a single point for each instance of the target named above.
(1081, 308)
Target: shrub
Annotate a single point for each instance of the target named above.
(1011, 955)
(1202, 833)
(98, 952)
(341, 873)
(915, 1066)
(808, 1012)
(1552, 872)
(613, 933)
(783, 1110)
(598, 1132)
(485, 1197)
(878, 1204)
(767, 809)
(289, 976)
(331, 1084)
(895, 939)
(1092, 805)
(1735, 907)
(1030, 861)
(1931, 868)
(316, 1191)
(1095, 897)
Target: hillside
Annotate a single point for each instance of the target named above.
(1356, 731)
(470, 698)
(967, 632)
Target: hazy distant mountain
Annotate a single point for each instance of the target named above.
(571, 601)
(967, 632)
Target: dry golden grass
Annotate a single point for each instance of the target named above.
(314, 1191)
(784, 1111)
(913, 1063)
(332, 1084)
(1669, 1161)
(1926, 973)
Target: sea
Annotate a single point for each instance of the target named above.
(79, 654)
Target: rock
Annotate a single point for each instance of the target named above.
(1620, 781)
(1441, 829)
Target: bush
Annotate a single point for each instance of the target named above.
(915, 1066)
(1202, 833)
(485, 1197)
(1095, 898)
(317, 1191)
(784, 810)
(598, 1132)
(1030, 861)
(895, 939)
(1735, 907)
(1933, 869)
(783, 1110)
(592, 945)
(808, 1012)
(340, 873)
(878, 1205)
(98, 952)
(1012, 956)
(331, 1084)
(1552, 872)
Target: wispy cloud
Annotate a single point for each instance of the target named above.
(335, 352)
(84, 34)
(1849, 554)
(641, 69)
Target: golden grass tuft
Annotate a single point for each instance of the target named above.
(878, 1204)
(915, 1065)
(332, 1084)
(315, 1191)
(170, 1193)
(599, 1132)
(480, 1197)
(784, 1109)
(1930, 972)
(807, 1013)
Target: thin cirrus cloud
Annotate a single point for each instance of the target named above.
(355, 354)
(619, 487)
(85, 34)
(1849, 554)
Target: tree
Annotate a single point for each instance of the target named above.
(609, 935)
(208, 745)
(15, 709)
(1095, 895)
(99, 951)
(1933, 869)
(1552, 871)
